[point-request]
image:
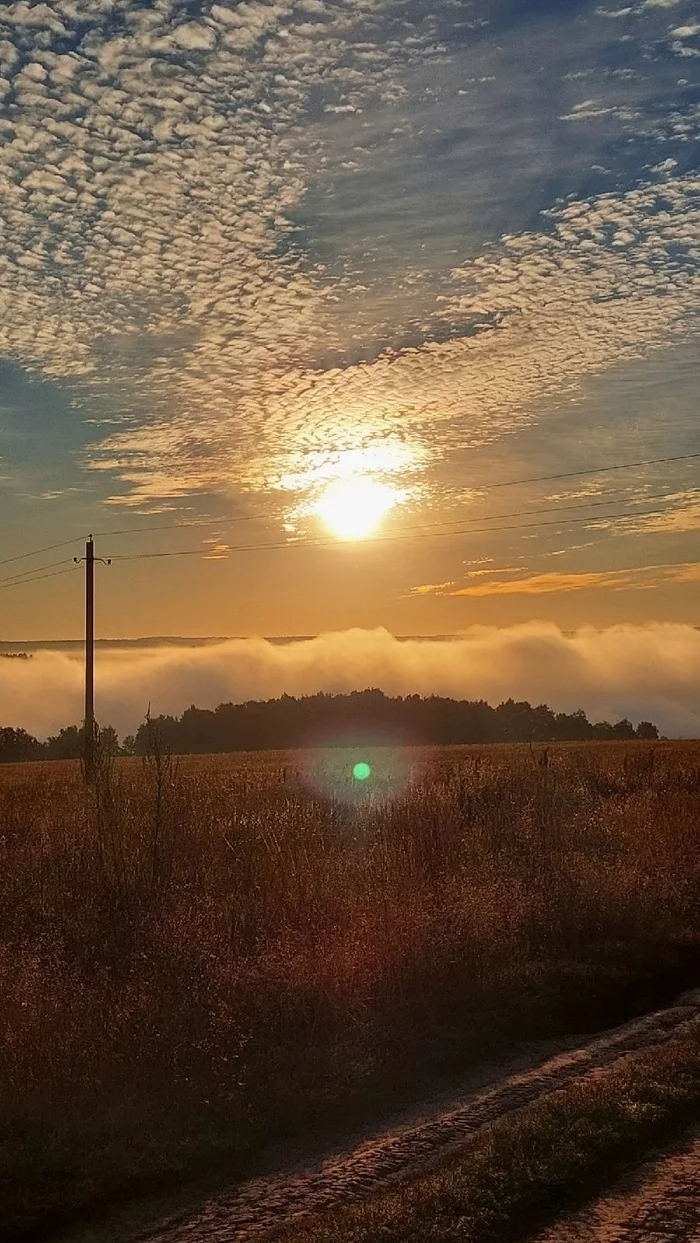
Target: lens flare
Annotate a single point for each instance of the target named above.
(333, 770)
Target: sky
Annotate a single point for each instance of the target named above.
(299, 293)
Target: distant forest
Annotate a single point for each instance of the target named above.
(327, 720)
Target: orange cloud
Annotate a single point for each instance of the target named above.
(548, 584)
(432, 589)
(641, 578)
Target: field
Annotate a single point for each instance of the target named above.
(198, 956)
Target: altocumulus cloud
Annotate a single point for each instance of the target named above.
(638, 671)
(158, 165)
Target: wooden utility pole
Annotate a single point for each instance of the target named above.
(89, 725)
(89, 659)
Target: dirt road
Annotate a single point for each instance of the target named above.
(659, 1204)
(260, 1205)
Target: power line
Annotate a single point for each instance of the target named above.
(182, 526)
(547, 509)
(598, 470)
(38, 569)
(488, 487)
(36, 552)
(525, 526)
(508, 483)
(330, 541)
(390, 539)
(26, 581)
(31, 576)
(220, 522)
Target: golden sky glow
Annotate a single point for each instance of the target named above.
(272, 273)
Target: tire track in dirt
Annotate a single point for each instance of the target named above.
(658, 1204)
(261, 1205)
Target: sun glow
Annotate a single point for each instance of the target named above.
(353, 508)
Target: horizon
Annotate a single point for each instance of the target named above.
(228, 638)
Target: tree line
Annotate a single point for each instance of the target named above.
(323, 719)
(18, 746)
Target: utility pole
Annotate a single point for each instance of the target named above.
(89, 560)
(89, 660)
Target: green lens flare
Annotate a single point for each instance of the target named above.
(362, 771)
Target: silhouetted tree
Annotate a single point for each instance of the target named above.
(69, 744)
(367, 716)
(16, 746)
(573, 727)
(66, 745)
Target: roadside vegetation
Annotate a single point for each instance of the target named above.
(528, 1169)
(197, 957)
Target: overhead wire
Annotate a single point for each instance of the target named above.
(508, 483)
(37, 552)
(38, 569)
(386, 539)
(547, 509)
(24, 582)
(188, 526)
(598, 470)
(182, 526)
(419, 529)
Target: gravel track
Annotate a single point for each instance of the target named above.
(658, 1204)
(260, 1206)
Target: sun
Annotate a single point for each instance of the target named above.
(353, 508)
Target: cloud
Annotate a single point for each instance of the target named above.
(645, 6)
(648, 671)
(156, 173)
(682, 515)
(148, 175)
(614, 279)
(553, 583)
(431, 589)
(443, 589)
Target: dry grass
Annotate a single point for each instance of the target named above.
(206, 955)
(525, 1171)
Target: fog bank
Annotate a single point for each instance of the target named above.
(650, 671)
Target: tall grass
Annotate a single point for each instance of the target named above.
(208, 952)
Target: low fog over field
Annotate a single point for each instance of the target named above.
(637, 671)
